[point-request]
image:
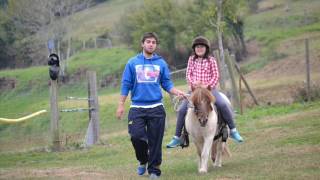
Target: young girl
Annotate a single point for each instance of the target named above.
(202, 70)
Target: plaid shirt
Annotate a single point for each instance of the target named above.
(202, 70)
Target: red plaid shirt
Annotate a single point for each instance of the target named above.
(202, 70)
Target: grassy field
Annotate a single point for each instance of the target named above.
(281, 142)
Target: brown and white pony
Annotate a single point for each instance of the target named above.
(201, 123)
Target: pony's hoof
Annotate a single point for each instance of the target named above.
(217, 165)
(202, 171)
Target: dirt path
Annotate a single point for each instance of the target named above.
(55, 173)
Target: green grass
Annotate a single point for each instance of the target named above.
(281, 143)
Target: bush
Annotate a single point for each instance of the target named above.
(302, 95)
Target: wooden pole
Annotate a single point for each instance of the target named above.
(307, 69)
(246, 84)
(240, 96)
(94, 127)
(235, 95)
(220, 67)
(220, 41)
(54, 115)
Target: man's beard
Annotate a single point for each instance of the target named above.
(148, 51)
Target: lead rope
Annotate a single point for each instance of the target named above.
(177, 101)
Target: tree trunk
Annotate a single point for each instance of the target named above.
(219, 33)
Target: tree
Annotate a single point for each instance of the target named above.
(3, 3)
(6, 39)
(154, 16)
(36, 21)
(225, 16)
(177, 24)
(62, 27)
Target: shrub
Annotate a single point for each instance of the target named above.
(302, 95)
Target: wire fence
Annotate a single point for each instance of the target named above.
(35, 133)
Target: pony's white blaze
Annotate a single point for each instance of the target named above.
(202, 136)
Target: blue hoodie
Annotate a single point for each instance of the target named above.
(144, 78)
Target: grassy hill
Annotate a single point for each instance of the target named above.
(281, 140)
(99, 19)
(278, 21)
(276, 42)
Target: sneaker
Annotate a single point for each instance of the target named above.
(236, 136)
(175, 142)
(154, 176)
(141, 169)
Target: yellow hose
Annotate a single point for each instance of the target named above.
(10, 121)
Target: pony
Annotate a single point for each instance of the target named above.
(202, 125)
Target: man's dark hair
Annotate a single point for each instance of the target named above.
(150, 35)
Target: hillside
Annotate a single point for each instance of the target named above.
(100, 19)
(277, 56)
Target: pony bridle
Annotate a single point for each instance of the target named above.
(202, 118)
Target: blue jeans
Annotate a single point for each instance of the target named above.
(222, 106)
(146, 128)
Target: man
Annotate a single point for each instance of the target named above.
(144, 76)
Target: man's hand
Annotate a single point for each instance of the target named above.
(120, 110)
(178, 93)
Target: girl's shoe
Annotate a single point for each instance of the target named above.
(236, 136)
(175, 142)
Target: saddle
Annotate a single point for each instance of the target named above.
(222, 129)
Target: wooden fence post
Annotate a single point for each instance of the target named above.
(240, 96)
(221, 71)
(307, 69)
(83, 44)
(246, 84)
(54, 115)
(93, 129)
(235, 95)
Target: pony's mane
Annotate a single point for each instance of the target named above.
(200, 94)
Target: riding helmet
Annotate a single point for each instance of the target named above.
(200, 40)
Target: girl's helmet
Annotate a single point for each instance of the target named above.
(200, 40)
